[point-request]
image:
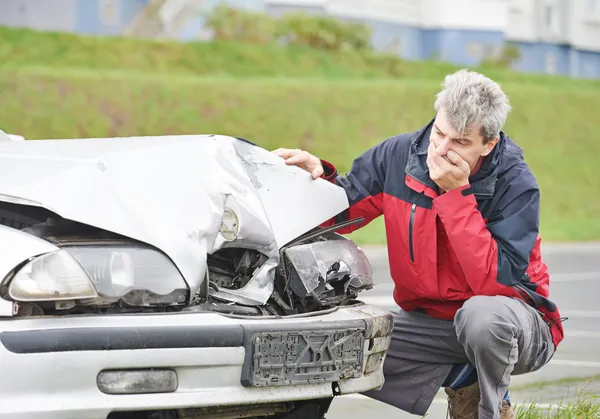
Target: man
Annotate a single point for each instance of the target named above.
(461, 210)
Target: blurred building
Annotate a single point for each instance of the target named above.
(551, 36)
(98, 17)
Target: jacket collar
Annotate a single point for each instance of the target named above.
(483, 182)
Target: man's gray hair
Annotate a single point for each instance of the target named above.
(472, 100)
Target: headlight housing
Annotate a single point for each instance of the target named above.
(51, 277)
(99, 275)
(328, 271)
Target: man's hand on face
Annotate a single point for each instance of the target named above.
(302, 159)
(446, 174)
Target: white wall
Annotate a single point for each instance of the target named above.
(399, 11)
(553, 20)
(574, 22)
(39, 14)
(522, 24)
(584, 24)
(486, 15)
(570, 21)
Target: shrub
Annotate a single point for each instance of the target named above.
(509, 54)
(324, 32)
(319, 32)
(241, 25)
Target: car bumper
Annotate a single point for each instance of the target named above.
(51, 366)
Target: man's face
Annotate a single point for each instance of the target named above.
(470, 146)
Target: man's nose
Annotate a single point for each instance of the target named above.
(443, 147)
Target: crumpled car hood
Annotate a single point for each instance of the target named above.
(171, 192)
(4, 136)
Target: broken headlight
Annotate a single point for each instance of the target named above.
(135, 276)
(51, 277)
(328, 271)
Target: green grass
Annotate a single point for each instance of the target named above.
(566, 381)
(25, 48)
(582, 404)
(334, 105)
(22, 48)
(585, 406)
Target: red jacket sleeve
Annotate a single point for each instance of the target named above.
(363, 185)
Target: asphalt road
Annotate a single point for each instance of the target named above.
(575, 287)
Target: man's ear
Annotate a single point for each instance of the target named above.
(489, 146)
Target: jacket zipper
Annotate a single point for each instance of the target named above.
(410, 231)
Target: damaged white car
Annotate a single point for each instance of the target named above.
(176, 277)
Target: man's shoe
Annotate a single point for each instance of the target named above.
(506, 412)
(464, 403)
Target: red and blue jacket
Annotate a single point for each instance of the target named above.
(481, 239)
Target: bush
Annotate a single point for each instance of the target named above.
(391, 64)
(508, 55)
(233, 24)
(323, 32)
(319, 32)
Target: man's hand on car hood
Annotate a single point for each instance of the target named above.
(302, 159)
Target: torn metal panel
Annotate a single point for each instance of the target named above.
(186, 195)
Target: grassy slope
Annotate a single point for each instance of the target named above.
(21, 48)
(335, 106)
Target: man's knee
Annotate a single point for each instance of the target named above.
(484, 320)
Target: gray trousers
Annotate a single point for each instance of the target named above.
(499, 336)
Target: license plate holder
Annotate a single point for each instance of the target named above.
(280, 358)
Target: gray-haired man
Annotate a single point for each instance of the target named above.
(461, 210)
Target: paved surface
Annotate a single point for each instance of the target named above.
(574, 286)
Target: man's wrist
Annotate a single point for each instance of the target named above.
(453, 187)
(450, 196)
(461, 185)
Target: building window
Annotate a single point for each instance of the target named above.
(550, 63)
(592, 11)
(109, 12)
(551, 18)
